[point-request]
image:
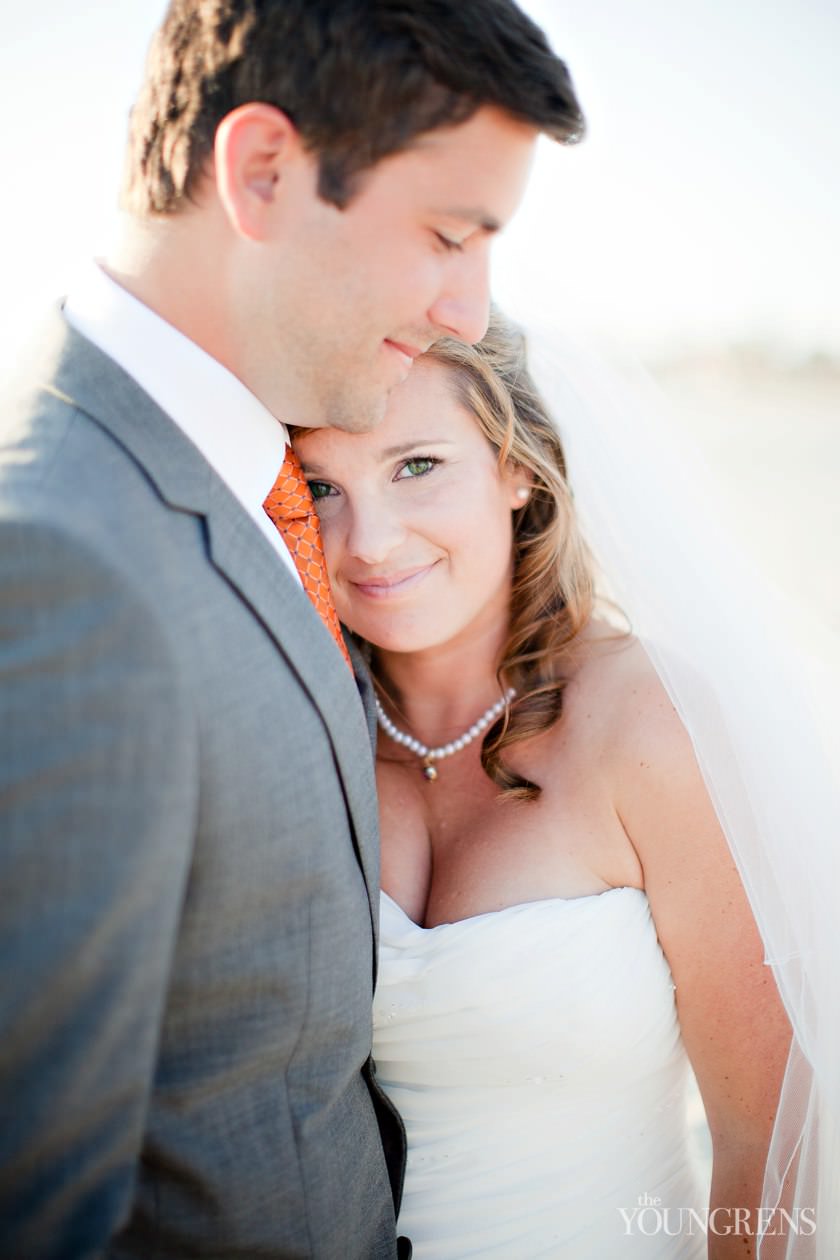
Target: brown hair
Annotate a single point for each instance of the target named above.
(360, 79)
(553, 592)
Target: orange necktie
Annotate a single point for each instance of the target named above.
(289, 506)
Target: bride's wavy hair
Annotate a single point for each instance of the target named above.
(553, 590)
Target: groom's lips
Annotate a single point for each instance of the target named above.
(384, 586)
(409, 353)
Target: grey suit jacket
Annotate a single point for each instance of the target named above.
(188, 858)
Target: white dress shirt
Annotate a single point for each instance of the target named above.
(235, 433)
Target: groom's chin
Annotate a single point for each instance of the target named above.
(358, 413)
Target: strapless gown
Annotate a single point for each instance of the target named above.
(535, 1056)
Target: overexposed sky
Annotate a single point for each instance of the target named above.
(700, 209)
(703, 204)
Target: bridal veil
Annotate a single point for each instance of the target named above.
(760, 705)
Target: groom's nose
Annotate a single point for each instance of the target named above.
(462, 309)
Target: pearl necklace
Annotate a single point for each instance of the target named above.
(445, 750)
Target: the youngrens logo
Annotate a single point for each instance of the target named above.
(649, 1218)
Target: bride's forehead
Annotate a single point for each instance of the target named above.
(427, 398)
(329, 449)
(423, 409)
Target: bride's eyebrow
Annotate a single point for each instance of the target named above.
(416, 444)
(309, 469)
(314, 469)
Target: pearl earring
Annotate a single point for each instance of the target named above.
(522, 493)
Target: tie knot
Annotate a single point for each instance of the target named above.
(291, 509)
(289, 498)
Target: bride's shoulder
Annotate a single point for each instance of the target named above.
(608, 663)
(614, 686)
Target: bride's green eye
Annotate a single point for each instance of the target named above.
(320, 489)
(418, 467)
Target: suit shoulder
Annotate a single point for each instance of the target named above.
(54, 576)
(64, 472)
(35, 419)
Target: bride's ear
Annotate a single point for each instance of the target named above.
(520, 482)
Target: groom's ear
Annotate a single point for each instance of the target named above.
(256, 149)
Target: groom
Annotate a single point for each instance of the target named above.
(188, 847)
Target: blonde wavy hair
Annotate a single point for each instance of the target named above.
(553, 592)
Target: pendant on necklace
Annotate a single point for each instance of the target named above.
(429, 755)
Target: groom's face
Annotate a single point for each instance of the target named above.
(360, 292)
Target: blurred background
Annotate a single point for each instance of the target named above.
(694, 232)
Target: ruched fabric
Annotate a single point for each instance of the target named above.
(535, 1056)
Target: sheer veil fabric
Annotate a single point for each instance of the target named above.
(759, 701)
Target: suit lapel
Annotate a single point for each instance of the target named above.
(365, 685)
(240, 552)
(90, 381)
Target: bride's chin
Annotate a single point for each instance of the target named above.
(398, 641)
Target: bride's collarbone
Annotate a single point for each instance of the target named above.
(453, 848)
(457, 848)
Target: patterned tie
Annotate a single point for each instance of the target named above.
(290, 507)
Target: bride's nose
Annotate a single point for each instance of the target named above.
(374, 529)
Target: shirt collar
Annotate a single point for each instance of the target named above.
(235, 433)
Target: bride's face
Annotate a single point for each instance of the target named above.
(416, 519)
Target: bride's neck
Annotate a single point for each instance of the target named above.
(440, 691)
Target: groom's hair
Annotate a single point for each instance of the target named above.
(360, 79)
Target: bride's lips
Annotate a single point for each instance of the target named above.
(386, 587)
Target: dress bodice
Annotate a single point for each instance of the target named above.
(536, 1058)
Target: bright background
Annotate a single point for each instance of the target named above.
(695, 229)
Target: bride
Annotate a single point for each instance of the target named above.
(563, 926)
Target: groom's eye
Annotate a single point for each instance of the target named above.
(450, 245)
(320, 489)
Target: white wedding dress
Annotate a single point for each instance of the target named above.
(535, 1056)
